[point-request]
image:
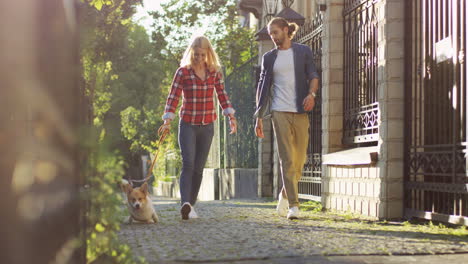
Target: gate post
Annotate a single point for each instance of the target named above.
(390, 19)
(332, 86)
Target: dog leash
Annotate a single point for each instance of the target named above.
(162, 136)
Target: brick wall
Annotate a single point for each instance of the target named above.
(356, 189)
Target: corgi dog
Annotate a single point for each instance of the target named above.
(139, 203)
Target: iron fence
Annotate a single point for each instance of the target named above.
(240, 150)
(360, 108)
(310, 183)
(435, 125)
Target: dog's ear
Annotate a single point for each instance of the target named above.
(126, 187)
(144, 188)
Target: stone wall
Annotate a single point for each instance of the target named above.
(209, 189)
(332, 77)
(238, 183)
(332, 103)
(355, 189)
(265, 161)
(217, 184)
(265, 145)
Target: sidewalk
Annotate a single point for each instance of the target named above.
(249, 231)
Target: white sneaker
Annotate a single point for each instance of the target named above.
(192, 214)
(185, 210)
(293, 213)
(283, 204)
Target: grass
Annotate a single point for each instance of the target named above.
(353, 222)
(171, 209)
(361, 224)
(311, 206)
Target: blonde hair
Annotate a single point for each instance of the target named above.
(212, 59)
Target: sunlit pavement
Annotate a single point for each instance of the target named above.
(250, 231)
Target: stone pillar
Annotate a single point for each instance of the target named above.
(332, 85)
(332, 77)
(265, 161)
(265, 145)
(391, 102)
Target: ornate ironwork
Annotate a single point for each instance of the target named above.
(311, 28)
(438, 160)
(360, 72)
(310, 184)
(436, 182)
(352, 5)
(311, 181)
(362, 124)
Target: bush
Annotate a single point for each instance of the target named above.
(105, 212)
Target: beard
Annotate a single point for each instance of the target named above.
(279, 42)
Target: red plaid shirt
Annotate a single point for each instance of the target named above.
(198, 107)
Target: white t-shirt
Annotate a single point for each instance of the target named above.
(284, 82)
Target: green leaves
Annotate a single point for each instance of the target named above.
(98, 4)
(100, 228)
(130, 117)
(104, 61)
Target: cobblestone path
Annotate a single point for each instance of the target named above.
(249, 231)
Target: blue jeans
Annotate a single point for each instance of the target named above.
(194, 142)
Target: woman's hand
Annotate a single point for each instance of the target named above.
(165, 128)
(232, 124)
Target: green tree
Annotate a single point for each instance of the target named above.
(106, 24)
(217, 19)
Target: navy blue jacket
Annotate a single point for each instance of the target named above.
(305, 71)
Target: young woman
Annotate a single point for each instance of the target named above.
(197, 78)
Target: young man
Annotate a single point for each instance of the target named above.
(286, 90)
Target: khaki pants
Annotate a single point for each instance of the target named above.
(292, 135)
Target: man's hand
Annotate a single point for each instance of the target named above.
(308, 103)
(259, 128)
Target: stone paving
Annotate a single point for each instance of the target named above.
(249, 231)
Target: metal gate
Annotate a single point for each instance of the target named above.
(360, 105)
(238, 149)
(311, 182)
(435, 126)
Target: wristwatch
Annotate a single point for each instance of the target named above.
(313, 94)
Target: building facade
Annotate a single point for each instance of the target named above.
(388, 134)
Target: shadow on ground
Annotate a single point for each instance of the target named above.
(250, 230)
